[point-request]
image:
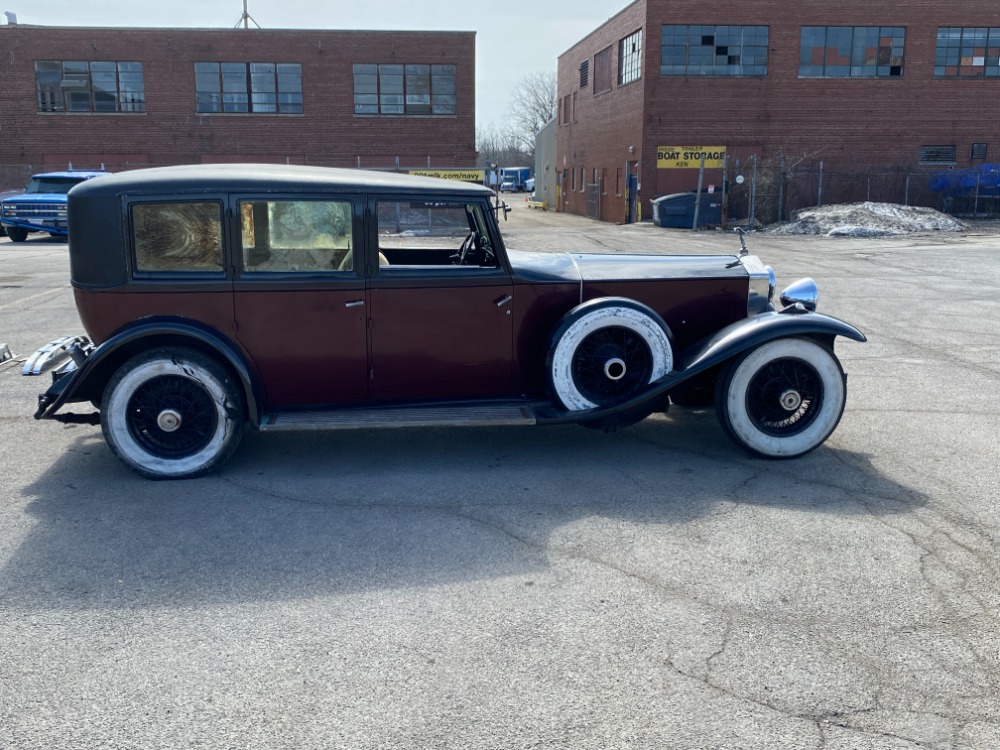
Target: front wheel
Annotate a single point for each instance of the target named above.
(782, 399)
(172, 414)
(17, 234)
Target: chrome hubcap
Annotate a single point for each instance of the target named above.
(614, 369)
(168, 420)
(791, 400)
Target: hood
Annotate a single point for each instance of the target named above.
(577, 267)
(36, 198)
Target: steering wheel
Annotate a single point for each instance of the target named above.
(468, 244)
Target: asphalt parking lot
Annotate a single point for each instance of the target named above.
(516, 588)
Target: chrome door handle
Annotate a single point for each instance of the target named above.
(504, 300)
(355, 303)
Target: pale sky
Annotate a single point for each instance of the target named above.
(514, 38)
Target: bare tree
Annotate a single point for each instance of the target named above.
(500, 145)
(533, 105)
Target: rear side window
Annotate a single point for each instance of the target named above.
(296, 236)
(177, 237)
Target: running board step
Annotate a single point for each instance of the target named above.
(475, 415)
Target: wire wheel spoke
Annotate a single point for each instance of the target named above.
(784, 397)
(611, 364)
(182, 396)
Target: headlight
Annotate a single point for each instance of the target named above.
(803, 292)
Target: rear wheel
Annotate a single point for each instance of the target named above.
(172, 414)
(782, 399)
(17, 234)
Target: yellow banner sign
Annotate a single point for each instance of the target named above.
(689, 157)
(462, 175)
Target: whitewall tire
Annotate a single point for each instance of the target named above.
(783, 398)
(605, 352)
(172, 414)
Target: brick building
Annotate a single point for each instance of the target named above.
(137, 97)
(822, 101)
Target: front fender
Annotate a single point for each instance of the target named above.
(96, 369)
(721, 346)
(751, 332)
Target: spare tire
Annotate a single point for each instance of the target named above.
(605, 352)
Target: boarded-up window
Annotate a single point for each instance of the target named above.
(177, 237)
(604, 76)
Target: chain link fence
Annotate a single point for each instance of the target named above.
(775, 192)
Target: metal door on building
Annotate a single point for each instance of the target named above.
(633, 195)
(594, 201)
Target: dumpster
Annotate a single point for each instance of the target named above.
(677, 210)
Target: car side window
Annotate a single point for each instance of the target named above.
(433, 234)
(177, 237)
(296, 236)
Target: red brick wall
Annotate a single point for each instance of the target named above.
(848, 123)
(606, 124)
(171, 132)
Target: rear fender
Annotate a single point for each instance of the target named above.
(89, 378)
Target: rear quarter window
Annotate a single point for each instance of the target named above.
(177, 237)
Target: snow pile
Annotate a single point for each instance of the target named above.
(868, 220)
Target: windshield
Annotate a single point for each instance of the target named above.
(52, 184)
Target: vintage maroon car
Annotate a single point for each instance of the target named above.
(297, 298)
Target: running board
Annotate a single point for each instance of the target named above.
(472, 415)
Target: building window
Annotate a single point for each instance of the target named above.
(967, 53)
(851, 51)
(630, 58)
(261, 88)
(604, 75)
(979, 151)
(89, 86)
(713, 50)
(937, 155)
(584, 74)
(404, 89)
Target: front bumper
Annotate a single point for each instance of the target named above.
(57, 226)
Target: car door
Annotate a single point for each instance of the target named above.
(441, 322)
(299, 297)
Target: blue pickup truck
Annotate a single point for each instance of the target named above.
(42, 205)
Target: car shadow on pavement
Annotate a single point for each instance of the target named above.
(295, 516)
